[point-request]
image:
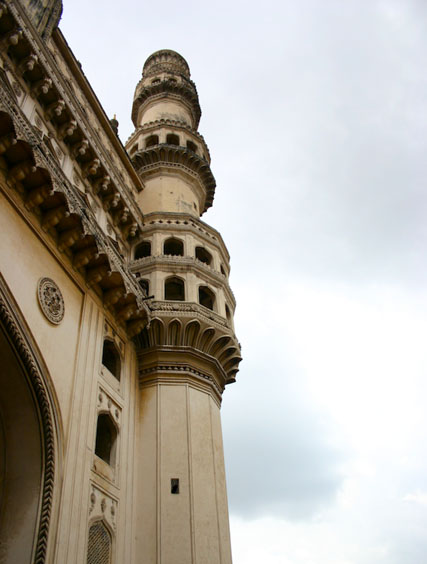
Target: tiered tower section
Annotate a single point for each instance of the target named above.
(189, 352)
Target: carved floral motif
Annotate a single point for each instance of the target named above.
(51, 300)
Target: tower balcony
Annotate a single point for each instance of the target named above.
(188, 340)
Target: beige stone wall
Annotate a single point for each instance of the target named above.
(162, 109)
(180, 437)
(72, 352)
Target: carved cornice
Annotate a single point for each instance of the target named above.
(37, 67)
(18, 336)
(174, 156)
(34, 173)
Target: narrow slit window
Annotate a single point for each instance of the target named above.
(174, 485)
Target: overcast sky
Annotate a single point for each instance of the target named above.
(315, 114)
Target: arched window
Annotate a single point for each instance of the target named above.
(145, 285)
(192, 146)
(142, 250)
(152, 140)
(99, 544)
(173, 246)
(111, 358)
(174, 289)
(134, 149)
(223, 270)
(206, 297)
(172, 139)
(106, 437)
(203, 255)
(227, 313)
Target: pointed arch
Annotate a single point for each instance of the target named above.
(206, 338)
(192, 331)
(24, 378)
(174, 332)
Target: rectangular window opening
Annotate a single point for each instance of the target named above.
(174, 485)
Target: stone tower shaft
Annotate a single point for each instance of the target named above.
(167, 150)
(189, 352)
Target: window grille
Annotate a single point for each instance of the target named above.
(99, 545)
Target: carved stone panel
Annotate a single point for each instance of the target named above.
(51, 300)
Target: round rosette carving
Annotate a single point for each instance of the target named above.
(51, 300)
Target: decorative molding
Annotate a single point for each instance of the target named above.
(48, 63)
(51, 300)
(18, 335)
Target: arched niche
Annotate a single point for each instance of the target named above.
(174, 289)
(206, 297)
(142, 250)
(173, 246)
(27, 447)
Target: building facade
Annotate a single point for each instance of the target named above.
(116, 316)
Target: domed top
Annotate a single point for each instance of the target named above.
(166, 60)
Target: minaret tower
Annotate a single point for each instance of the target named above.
(189, 352)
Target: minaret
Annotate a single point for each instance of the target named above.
(189, 352)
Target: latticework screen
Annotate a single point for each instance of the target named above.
(99, 545)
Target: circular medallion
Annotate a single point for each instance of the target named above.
(51, 300)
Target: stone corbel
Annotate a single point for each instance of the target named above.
(91, 168)
(37, 196)
(102, 184)
(136, 326)
(82, 258)
(20, 171)
(69, 237)
(96, 274)
(126, 312)
(130, 230)
(55, 109)
(79, 149)
(42, 86)
(67, 129)
(7, 141)
(111, 201)
(112, 296)
(12, 38)
(123, 215)
(54, 216)
(28, 63)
